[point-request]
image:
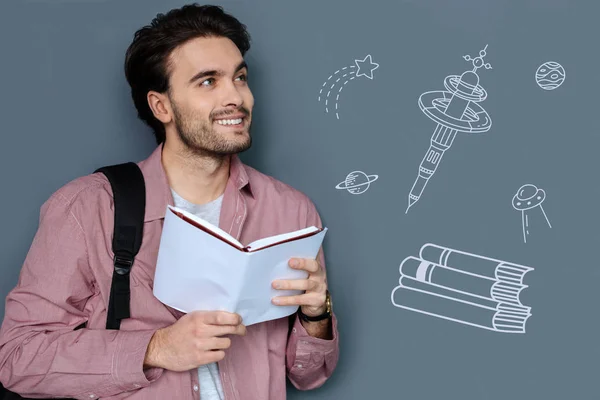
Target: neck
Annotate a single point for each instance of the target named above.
(197, 178)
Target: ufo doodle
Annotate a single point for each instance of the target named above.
(454, 110)
(527, 198)
(364, 67)
(357, 182)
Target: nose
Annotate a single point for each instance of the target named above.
(232, 96)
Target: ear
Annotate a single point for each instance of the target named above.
(160, 106)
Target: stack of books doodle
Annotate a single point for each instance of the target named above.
(465, 288)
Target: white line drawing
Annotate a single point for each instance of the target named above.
(357, 182)
(527, 198)
(351, 72)
(454, 110)
(550, 75)
(462, 287)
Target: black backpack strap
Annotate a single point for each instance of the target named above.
(129, 193)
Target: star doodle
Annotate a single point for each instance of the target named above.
(341, 77)
(372, 66)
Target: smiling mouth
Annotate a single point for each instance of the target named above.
(233, 122)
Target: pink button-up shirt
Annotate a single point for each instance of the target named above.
(65, 281)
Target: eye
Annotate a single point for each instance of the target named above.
(204, 83)
(243, 77)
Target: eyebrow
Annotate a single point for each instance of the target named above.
(216, 72)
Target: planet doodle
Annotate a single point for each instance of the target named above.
(550, 75)
(357, 182)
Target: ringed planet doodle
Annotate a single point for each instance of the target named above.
(357, 182)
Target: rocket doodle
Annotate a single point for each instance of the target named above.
(454, 110)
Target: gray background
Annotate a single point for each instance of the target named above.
(66, 110)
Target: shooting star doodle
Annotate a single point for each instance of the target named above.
(455, 110)
(364, 67)
(527, 198)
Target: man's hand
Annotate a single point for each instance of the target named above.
(195, 339)
(312, 301)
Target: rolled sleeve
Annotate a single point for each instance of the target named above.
(311, 360)
(127, 370)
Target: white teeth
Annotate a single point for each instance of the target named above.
(229, 121)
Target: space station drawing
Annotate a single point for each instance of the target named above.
(455, 109)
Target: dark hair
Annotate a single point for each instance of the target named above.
(146, 59)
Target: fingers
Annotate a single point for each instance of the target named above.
(216, 323)
(219, 318)
(222, 330)
(306, 299)
(305, 264)
(296, 284)
(216, 343)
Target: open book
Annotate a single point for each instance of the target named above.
(226, 237)
(202, 267)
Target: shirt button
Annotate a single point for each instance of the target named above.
(299, 365)
(238, 219)
(137, 385)
(195, 388)
(294, 330)
(92, 396)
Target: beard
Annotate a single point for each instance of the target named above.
(199, 136)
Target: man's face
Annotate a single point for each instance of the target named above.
(211, 101)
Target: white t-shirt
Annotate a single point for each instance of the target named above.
(208, 374)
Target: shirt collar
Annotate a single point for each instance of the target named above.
(158, 191)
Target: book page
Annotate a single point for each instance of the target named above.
(208, 227)
(195, 270)
(199, 271)
(262, 243)
(254, 300)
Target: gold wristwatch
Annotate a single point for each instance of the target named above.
(326, 314)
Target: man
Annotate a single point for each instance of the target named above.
(189, 83)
